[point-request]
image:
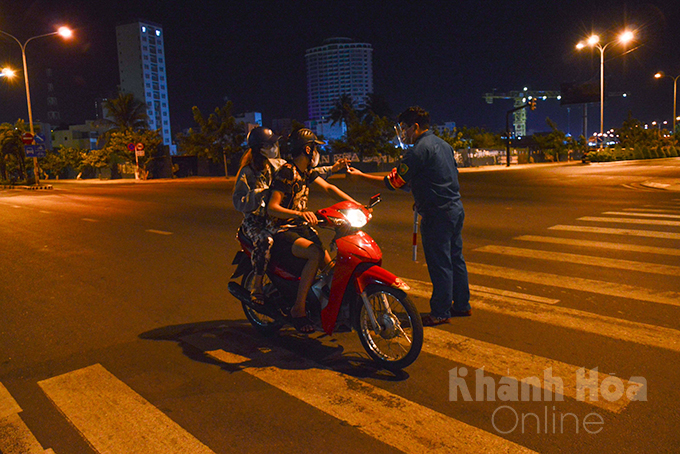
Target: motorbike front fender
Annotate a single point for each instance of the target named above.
(378, 275)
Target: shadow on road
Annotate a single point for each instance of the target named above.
(213, 341)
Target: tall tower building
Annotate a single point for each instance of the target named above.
(141, 63)
(339, 66)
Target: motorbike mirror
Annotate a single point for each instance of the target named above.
(374, 200)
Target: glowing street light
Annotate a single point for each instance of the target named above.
(7, 72)
(661, 75)
(594, 41)
(64, 32)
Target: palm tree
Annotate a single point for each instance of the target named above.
(11, 145)
(343, 110)
(125, 113)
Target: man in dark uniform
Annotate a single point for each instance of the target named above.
(429, 170)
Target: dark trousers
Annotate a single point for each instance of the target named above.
(443, 246)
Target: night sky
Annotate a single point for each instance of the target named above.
(443, 55)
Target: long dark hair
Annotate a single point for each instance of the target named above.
(257, 159)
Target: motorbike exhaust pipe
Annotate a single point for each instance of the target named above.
(243, 295)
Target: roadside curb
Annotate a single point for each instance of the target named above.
(30, 188)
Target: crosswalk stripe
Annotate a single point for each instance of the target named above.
(113, 418)
(599, 244)
(15, 436)
(650, 210)
(648, 215)
(577, 283)
(425, 288)
(629, 221)
(611, 231)
(643, 267)
(387, 417)
(499, 360)
(615, 328)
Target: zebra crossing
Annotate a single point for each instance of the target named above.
(113, 418)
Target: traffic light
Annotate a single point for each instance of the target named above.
(532, 103)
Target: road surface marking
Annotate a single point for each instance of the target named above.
(615, 328)
(650, 210)
(609, 231)
(370, 409)
(423, 287)
(45, 212)
(600, 244)
(115, 419)
(649, 215)
(15, 436)
(629, 221)
(503, 361)
(642, 267)
(90, 220)
(159, 232)
(577, 283)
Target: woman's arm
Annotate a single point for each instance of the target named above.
(247, 197)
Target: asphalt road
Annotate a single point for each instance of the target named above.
(117, 333)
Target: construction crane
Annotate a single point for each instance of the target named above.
(520, 98)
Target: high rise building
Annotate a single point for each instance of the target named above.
(141, 63)
(339, 66)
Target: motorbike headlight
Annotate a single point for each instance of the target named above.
(356, 218)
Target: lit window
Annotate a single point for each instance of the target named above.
(158, 33)
(143, 29)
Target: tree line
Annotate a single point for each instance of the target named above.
(219, 138)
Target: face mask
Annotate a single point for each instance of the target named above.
(270, 152)
(315, 158)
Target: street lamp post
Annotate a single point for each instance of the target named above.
(64, 32)
(594, 41)
(661, 75)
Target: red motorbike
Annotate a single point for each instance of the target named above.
(352, 291)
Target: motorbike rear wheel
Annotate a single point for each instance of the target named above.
(399, 338)
(263, 324)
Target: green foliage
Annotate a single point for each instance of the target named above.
(12, 156)
(57, 162)
(217, 137)
(452, 137)
(673, 152)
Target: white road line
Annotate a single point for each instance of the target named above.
(577, 283)
(611, 231)
(650, 210)
(641, 267)
(503, 361)
(15, 436)
(370, 409)
(158, 232)
(641, 333)
(648, 215)
(600, 245)
(629, 221)
(425, 288)
(115, 419)
(90, 220)
(45, 212)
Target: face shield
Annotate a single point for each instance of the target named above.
(270, 151)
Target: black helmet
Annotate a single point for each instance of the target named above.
(301, 137)
(259, 137)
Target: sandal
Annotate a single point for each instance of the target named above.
(257, 298)
(303, 324)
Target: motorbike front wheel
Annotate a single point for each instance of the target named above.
(397, 341)
(264, 325)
